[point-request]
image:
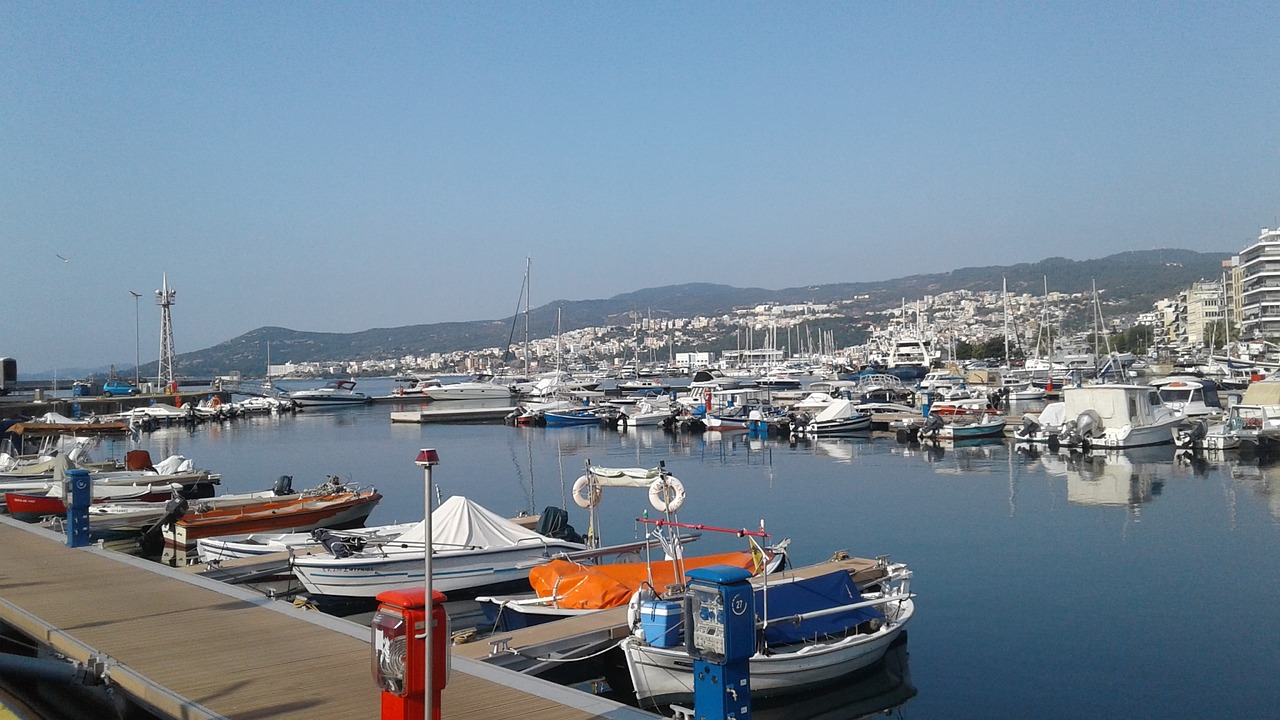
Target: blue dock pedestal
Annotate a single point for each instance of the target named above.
(721, 638)
(78, 495)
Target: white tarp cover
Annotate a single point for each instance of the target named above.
(1265, 392)
(1115, 404)
(174, 464)
(837, 410)
(460, 523)
(624, 477)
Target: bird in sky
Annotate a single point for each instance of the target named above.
(63, 259)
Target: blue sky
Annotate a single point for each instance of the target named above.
(339, 166)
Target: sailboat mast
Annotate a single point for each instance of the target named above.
(527, 263)
(1004, 296)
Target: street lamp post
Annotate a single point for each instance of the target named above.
(137, 358)
(427, 458)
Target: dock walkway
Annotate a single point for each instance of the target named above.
(190, 647)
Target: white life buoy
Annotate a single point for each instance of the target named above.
(666, 494)
(585, 494)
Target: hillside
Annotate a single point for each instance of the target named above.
(1135, 279)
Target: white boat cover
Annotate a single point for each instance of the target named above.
(624, 477)
(174, 464)
(461, 523)
(836, 410)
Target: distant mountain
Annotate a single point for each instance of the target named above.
(1135, 279)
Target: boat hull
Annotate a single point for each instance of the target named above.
(347, 510)
(664, 675)
(366, 577)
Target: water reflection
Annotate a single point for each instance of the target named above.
(1106, 478)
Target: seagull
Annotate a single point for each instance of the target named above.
(65, 260)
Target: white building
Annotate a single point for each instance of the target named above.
(1260, 287)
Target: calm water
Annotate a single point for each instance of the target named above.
(1119, 586)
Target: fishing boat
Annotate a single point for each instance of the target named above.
(331, 504)
(837, 418)
(235, 547)
(573, 416)
(471, 547)
(1102, 416)
(585, 582)
(335, 393)
(983, 426)
(810, 632)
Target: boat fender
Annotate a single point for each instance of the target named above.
(643, 594)
(585, 494)
(666, 494)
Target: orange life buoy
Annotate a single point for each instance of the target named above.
(215, 401)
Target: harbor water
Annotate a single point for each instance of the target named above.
(1116, 585)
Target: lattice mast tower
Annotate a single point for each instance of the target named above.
(164, 298)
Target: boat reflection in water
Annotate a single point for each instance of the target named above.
(1107, 478)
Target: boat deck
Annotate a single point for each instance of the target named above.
(190, 647)
(587, 634)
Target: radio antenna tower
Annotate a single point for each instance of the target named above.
(164, 298)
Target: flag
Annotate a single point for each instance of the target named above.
(757, 556)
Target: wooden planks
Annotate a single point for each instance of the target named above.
(231, 655)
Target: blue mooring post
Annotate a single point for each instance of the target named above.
(78, 497)
(721, 638)
(928, 402)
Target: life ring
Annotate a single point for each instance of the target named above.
(215, 402)
(585, 494)
(666, 494)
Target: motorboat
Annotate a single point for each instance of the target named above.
(332, 504)
(810, 632)
(982, 426)
(234, 547)
(644, 414)
(1102, 416)
(1190, 396)
(471, 547)
(334, 393)
(585, 582)
(475, 389)
(838, 417)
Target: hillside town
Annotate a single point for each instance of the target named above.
(1232, 315)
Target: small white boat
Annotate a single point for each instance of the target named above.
(468, 390)
(234, 547)
(1190, 396)
(471, 547)
(334, 393)
(810, 632)
(1104, 416)
(839, 416)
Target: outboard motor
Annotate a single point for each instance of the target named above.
(932, 425)
(283, 486)
(1190, 436)
(1028, 429)
(554, 523)
(338, 545)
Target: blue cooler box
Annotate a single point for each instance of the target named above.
(660, 620)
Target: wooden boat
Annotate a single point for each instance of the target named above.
(329, 505)
(810, 632)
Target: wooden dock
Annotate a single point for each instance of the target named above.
(190, 647)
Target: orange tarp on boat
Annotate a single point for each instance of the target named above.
(597, 587)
